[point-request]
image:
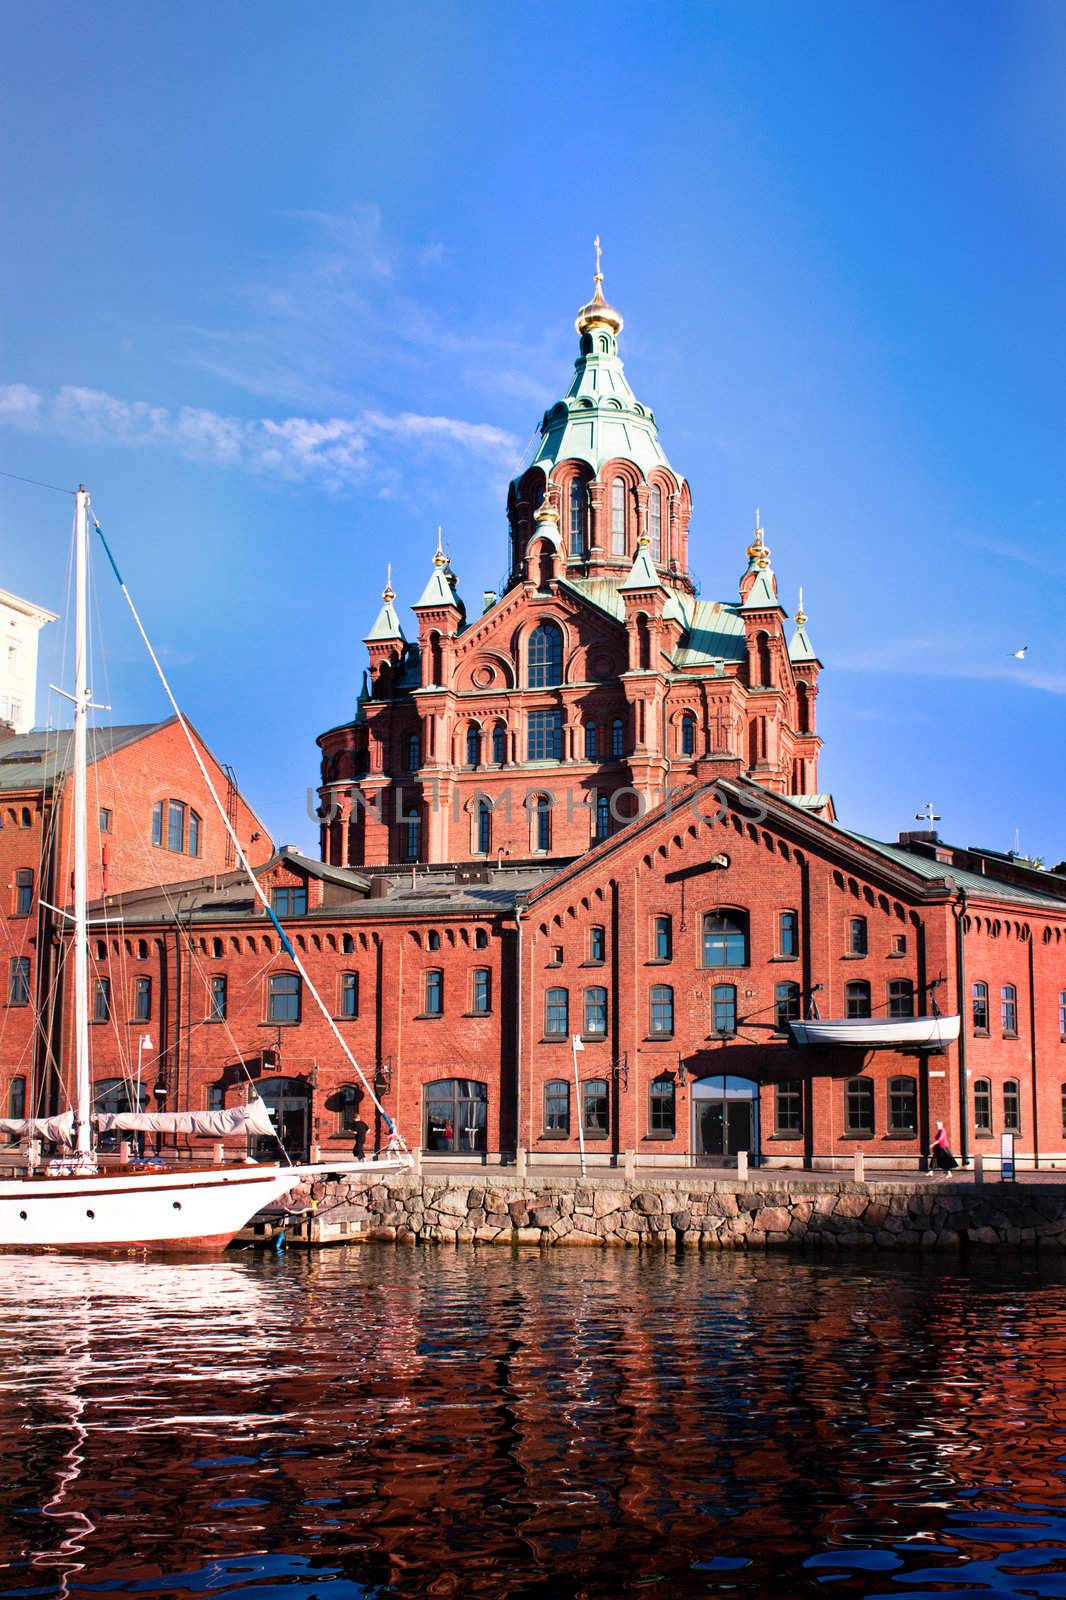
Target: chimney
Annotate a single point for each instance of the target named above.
(488, 600)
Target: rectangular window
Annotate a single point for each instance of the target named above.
(788, 1108)
(1008, 1009)
(16, 1097)
(859, 1106)
(105, 819)
(786, 1005)
(557, 1108)
(857, 999)
(23, 891)
(18, 992)
(545, 736)
(291, 902)
(903, 1106)
(899, 944)
(901, 998)
(857, 936)
(284, 992)
(1062, 1014)
(661, 1010)
(662, 1116)
(663, 946)
(725, 1009)
(157, 823)
(434, 1006)
(788, 934)
(982, 1105)
(725, 939)
(980, 1007)
(596, 1107)
(142, 999)
(219, 998)
(597, 944)
(557, 1013)
(175, 825)
(102, 1000)
(349, 994)
(1012, 1106)
(482, 992)
(216, 1097)
(595, 1013)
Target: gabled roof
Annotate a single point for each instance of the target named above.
(642, 574)
(761, 596)
(35, 760)
(386, 626)
(800, 647)
(438, 591)
(714, 629)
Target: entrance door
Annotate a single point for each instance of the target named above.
(724, 1120)
(289, 1102)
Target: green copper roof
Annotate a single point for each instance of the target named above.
(714, 630)
(387, 625)
(438, 591)
(600, 416)
(800, 647)
(642, 574)
(761, 596)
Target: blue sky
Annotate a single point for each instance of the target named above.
(287, 286)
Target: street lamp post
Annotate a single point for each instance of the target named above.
(143, 1043)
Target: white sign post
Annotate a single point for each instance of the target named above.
(576, 1045)
(1006, 1158)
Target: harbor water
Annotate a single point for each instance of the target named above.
(372, 1422)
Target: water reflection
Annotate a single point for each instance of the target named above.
(373, 1422)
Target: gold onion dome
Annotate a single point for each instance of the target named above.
(388, 594)
(597, 313)
(757, 552)
(439, 558)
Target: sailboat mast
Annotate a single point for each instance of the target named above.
(83, 1090)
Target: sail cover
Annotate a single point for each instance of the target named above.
(254, 1118)
(59, 1129)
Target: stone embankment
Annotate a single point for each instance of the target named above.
(798, 1212)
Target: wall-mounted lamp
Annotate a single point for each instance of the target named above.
(382, 1076)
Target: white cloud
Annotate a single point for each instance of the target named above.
(335, 451)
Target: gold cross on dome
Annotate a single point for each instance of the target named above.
(599, 252)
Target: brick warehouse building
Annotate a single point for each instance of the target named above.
(595, 811)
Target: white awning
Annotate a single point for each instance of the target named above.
(878, 1033)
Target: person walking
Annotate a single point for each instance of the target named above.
(360, 1130)
(943, 1160)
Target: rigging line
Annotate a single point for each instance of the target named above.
(241, 857)
(36, 482)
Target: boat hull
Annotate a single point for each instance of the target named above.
(178, 1211)
(878, 1033)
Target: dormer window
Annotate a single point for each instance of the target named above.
(618, 517)
(290, 902)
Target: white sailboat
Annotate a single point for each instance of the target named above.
(74, 1204)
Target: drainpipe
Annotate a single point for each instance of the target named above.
(1032, 1053)
(519, 979)
(960, 990)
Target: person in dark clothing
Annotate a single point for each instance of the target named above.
(943, 1160)
(360, 1130)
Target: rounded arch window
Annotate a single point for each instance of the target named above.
(688, 734)
(578, 502)
(655, 522)
(618, 517)
(545, 656)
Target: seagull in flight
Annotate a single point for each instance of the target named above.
(1019, 655)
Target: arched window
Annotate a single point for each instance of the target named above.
(473, 745)
(578, 502)
(660, 1010)
(859, 1106)
(433, 1004)
(982, 1105)
(980, 1007)
(414, 752)
(542, 822)
(346, 1103)
(349, 994)
(591, 743)
(481, 992)
(788, 1108)
(655, 522)
(557, 1108)
(603, 816)
(595, 1019)
(688, 734)
(903, 1106)
(618, 738)
(803, 708)
(857, 998)
(661, 1109)
(433, 939)
(499, 744)
(456, 1116)
(484, 827)
(597, 1107)
(1012, 1106)
(556, 1013)
(618, 517)
(545, 656)
(1008, 1010)
(724, 1010)
(348, 944)
(725, 939)
(284, 997)
(195, 825)
(901, 998)
(788, 934)
(858, 942)
(786, 1006)
(411, 835)
(763, 664)
(481, 939)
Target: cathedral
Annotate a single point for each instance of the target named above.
(581, 892)
(595, 685)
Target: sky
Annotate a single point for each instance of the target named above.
(287, 286)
